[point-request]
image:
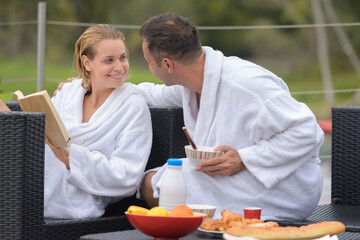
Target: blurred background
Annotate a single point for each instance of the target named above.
(313, 45)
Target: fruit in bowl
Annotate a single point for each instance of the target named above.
(157, 211)
(202, 153)
(181, 211)
(165, 225)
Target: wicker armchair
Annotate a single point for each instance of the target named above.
(22, 176)
(345, 172)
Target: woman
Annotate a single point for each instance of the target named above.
(110, 129)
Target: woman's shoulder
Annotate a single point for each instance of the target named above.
(129, 95)
(73, 85)
(69, 89)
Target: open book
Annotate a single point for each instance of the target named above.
(41, 102)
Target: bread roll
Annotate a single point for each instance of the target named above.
(310, 231)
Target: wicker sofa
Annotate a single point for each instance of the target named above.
(22, 176)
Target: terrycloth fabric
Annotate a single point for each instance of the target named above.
(250, 109)
(108, 154)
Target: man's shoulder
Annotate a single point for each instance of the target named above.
(234, 61)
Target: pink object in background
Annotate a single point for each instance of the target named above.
(252, 212)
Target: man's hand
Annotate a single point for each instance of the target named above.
(228, 164)
(62, 83)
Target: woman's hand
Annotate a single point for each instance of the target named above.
(61, 153)
(3, 106)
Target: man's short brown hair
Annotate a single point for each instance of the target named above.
(173, 36)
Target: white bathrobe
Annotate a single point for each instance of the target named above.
(107, 155)
(250, 109)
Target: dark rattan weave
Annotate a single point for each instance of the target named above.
(347, 214)
(345, 172)
(345, 180)
(21, 173)
(22, 176)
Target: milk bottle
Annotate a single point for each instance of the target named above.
(172, 188)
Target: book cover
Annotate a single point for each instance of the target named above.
(40, 102)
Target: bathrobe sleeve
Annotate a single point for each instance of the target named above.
(161, 95)
(284, 135)
(119, 173)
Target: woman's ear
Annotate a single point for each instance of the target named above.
(168, 64)
(86, 62)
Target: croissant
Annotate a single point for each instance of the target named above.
(228, 217)
(213, 224)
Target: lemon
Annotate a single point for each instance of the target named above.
(137, 210)
(158, 211)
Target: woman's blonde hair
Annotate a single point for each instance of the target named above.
(84, 46)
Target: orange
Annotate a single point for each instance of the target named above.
(181, 211)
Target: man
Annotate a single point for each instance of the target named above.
(270, 141)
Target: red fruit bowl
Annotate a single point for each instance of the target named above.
(165, 227)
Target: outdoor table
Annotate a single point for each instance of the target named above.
(349, 215)
(196, 235)
(137, 235)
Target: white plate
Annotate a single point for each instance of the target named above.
(229, 237)
(218, 233)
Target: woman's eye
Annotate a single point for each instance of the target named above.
(123, 57)
(108, 60)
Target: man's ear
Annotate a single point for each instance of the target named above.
(86, 62)
(168, 64)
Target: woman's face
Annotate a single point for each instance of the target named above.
(110, 66)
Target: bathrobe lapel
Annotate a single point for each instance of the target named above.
(105, 111)
(209, 95)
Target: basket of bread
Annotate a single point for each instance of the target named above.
(235, 225)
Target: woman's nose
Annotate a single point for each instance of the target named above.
(119, 66)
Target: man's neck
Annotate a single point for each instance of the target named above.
(192, 74)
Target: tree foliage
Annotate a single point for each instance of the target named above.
(20, 39)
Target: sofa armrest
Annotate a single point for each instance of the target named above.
(22, 141)
(345, 156)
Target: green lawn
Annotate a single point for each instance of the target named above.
(21, 74)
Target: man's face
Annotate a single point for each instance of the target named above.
(157, 71)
